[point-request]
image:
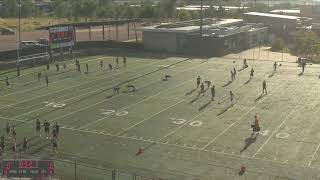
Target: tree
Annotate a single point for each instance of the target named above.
(183, 15)
(10, 8)
(27, 8)
(88, 9)
(277, 45)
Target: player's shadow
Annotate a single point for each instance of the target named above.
(190, 92)
(260, 97)
(243, 68)
(300, 74)
(225, 109)
(205, 105)
(247, 82)
(248, 141)
(227, 84)
(271, 75)
(195, 99)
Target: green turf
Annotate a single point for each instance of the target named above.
(183, 135)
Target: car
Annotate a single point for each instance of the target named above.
(30, 44)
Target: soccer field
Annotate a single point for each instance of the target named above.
(181, 135)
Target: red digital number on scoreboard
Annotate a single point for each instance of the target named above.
(27, 164)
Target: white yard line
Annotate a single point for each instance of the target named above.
(70, 88)
(314, 155)
(231, 125)
(284, 121)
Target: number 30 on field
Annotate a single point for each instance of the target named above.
(183, 121)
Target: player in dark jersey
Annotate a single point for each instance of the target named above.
(7, 82)
(117, 62)
(198, 81)
(116, 90)
(39, 76)
(87, 67)
(208, 84)
(110, 67)
(79, 67)
(255, 127)
(124, 61)
(213, 92)
(46, 125)
(234, 73)
(2, 144)
(264, 87)
(303, 66)
(231, 96)
(251, 73)
(101, 65)
(57, 66)
(166, 77)
(25, 144)
(14, 132)
(54, 145)
(8, 129)
(54, 133)
(47, 80)
(38, 128)
(48, 66)
(202, 89)
(275, 66)
(245, 65)
(18, 70)
(131, 88)
(57, 127)
(64, 66)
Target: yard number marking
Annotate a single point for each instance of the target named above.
(110, 112)
(54, 104)
(282, 135)
(183, 121)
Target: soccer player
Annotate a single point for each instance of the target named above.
(18, 70)
(208, 83)
(38, 127)
(303, 66)
(116, 90)
(2, 145)
(54, 133)
(234, 73)
(117, 62)
(245, 65)
(231, 96)
(166, 77)
(87, 67)
(46, 125)
(57, 127)
(213, 92)
(14, 146)
(14, 132)
(255, 127)
(47, 80)
(57, 66)
(110, 67)
(48, 66)
(132, 87)
(39, 76)
(7, 82)
(8, 128)
(275, 66)
(124, 61)
(101, 64)
(202, 89)
(25, 144)
(64, 66)
(251, 73)
(79, 67)
(264, 87)
(198, 81)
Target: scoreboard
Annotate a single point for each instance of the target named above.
(27, 168)
(60, 37)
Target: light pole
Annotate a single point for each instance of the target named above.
(19, 33)
(201, 19)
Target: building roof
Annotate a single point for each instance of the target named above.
(273, 15)
(190, 28)
(198, 7)
(286, 11)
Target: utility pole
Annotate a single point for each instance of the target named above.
(201, 19)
